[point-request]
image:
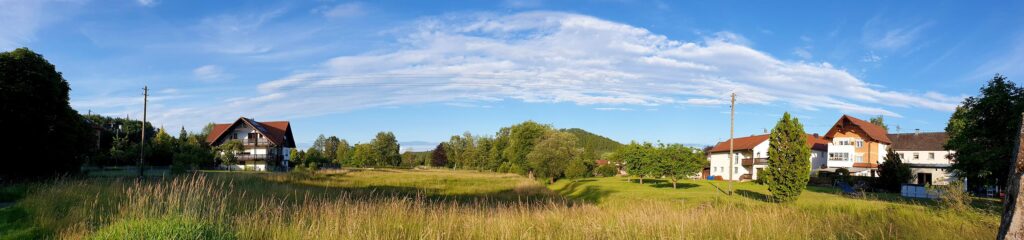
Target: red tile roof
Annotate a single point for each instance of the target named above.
(748, 143)
(873, 131)
(275, 131)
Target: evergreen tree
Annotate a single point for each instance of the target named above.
(892, 173)
(788, 160)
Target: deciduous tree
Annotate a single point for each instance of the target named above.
(552, 154)
(982, 132)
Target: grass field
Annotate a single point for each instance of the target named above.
(445, 204)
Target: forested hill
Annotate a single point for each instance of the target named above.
(594, 144)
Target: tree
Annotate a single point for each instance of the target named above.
(982, 131)
(163, 148)
(409, 159)
(331, 145)
(880, 121)
(679, 162)
(522, 137)
(606, 170)
(552, 154)
(577, 169)
(639, 160)
(364, 155)
(227, 151)
(314, 156)
(892, 173)
(387, 149)
(343, 155)
(439, 157)
(788, 166)
(46, 136)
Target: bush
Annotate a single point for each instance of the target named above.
(606, 170)
(163, 228)
(953, 196)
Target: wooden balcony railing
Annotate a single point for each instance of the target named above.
(754, 161)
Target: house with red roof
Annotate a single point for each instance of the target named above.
(266, 145)
(856, 145)
(751, 156)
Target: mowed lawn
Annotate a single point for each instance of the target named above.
(455, 204)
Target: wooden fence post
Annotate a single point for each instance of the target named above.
(1012, 224)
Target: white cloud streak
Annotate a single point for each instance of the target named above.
(563, 57)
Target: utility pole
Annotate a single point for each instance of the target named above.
(142, 146)
(732, 121)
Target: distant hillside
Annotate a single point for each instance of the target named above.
(594, 145)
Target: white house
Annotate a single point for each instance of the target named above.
(925, 155)
(266, 145)
(752, 156)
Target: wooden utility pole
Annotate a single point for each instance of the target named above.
(142, 145)
(732, 121)
(1012, 224)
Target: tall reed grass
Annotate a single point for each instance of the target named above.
(272, 206)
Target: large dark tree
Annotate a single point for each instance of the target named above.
(982, 132)
(789, 167)
(45, 136)
(438, 157)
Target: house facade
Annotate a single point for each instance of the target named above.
(751, 157)
(925, 155)
(856, 145)
(266, 145)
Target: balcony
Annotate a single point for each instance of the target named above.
(255, 142)
(258, 157)
(865, 165)
(746, 162)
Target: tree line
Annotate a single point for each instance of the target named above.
(382, 151)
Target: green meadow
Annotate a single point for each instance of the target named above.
(455, 204)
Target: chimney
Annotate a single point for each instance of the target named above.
(765, 130)
(917, 131)
(815, 135)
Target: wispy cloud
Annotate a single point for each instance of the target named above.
(803, 53)
(878, 34)
(210, 73)
(563, 57)
(21, 19)
(522, 3)
(344, 10)
(147, 3)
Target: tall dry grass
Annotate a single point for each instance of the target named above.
(270, 207)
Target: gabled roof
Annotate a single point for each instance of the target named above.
(930, 141)
(873, 131)
(278, 132)
(748, 143)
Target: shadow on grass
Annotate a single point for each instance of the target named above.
(754, 195)
(587, 194)
(295, 190)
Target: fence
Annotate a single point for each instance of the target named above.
(918, 191)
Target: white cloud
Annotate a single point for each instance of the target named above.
(613, 109)
(22, 19)
(564, 57)
(210, 73)
(147, 3)
(871, 57)
(344, 10)
(802, 53)
(878, 35)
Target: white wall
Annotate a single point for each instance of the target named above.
(720, 164)
(833, 148)
(940, 157)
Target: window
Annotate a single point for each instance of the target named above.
(859, 159)
(735, 169)
(902, 156)
(917, 156)
(838, 156)
(931, 156)
(860, 144)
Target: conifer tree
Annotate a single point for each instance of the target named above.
(893, 173)
(789, 163)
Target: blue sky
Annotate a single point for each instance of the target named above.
(629, 70)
